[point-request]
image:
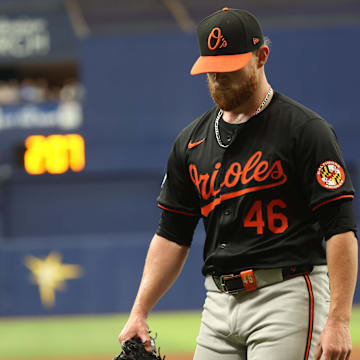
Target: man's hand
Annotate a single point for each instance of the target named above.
(334, 342)
(164, 262)
(136, 326)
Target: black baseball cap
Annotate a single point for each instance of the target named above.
(227, 39)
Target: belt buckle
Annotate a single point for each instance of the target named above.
(223, 286)
(247, 278)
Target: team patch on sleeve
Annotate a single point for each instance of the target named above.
(330, 175)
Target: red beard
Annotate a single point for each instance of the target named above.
(228, 96)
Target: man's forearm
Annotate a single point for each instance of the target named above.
(164, 262)
(342, 258)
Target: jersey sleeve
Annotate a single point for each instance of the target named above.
(177, 191)
(320, 166)
(177, 227)
(336, 217)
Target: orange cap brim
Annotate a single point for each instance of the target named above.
(220, 63)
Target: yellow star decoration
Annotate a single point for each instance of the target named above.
(50, 275)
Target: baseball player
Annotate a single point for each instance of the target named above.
(268, 179)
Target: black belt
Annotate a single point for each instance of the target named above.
(251, 280)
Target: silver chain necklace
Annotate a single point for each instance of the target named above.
(216, 125)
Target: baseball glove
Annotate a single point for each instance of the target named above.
(134, 349)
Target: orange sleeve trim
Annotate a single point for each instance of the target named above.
(331, 200)
(177, 211)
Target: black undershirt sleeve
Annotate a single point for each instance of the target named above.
(336, 217)
(177, 227)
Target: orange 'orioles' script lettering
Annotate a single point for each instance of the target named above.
(253, 170)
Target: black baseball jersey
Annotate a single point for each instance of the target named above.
(257, 197)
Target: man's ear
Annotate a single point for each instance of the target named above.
(263, 55)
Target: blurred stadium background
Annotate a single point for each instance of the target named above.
(92, 95)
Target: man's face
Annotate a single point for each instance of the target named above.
(231, 90)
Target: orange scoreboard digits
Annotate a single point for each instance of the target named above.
(54, 154)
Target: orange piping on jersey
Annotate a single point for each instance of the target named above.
(205, 210)
(177, 211)
(331, 200)
(311, 316)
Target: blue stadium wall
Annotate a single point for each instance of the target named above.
(139, 96)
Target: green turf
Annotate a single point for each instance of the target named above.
(97, 335)
(355, 325)
(90, 335)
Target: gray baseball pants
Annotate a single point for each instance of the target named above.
(281, 321)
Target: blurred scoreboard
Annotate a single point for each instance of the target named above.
(46, 138)
(54, 154)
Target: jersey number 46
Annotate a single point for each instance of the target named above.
(277, 222)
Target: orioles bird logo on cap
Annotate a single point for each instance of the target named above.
(215, 35)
